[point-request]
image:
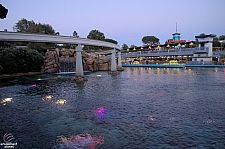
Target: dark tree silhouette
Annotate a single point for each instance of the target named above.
(3, 12)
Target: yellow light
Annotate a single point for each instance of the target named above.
(6, 100)
(134, 49)
(191, 43)
(60, 102)
(39, 79)
(99, 75)
(141, 48)
(179, 45)
(48, 97)
(149, 47)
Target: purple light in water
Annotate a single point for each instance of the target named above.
(100, 112)
(33, 85)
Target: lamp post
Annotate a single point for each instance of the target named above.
(221, 45)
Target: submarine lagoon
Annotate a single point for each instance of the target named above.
(153, 108)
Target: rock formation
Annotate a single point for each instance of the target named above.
(91, 61)
(51, 64)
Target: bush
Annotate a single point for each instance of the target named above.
(20, 61)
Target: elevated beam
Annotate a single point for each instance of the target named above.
(21, 37)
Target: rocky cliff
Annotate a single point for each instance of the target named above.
(91, 61)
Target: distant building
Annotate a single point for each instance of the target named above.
(176, 38)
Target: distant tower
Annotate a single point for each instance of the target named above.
(176, 39)
(176, 36)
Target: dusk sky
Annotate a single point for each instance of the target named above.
(125, 21)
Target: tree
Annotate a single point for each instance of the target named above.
(97, 35)
(20, 60)
(133, 46)
(26, 26)
(57, 33)
(75, 34)
(222, 37)
(111, 40)
(202, 34)
(125, 46)
(22, 25)
(3, 12)
(150, 40)
(216, 42)
(41, 29)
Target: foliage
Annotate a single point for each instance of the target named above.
(125, 46)
(97, 35)
(202, 34)
(222, 37)
(3, 12)
(150, 40)
(111, 40)
(20, 60)
(75, 34)
(23, 25)
(27, 26)
(133, 46)
(41, 29)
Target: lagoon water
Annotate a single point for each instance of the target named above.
(141, 108)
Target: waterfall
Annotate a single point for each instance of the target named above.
(67, 65)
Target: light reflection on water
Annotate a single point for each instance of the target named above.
(140, 108)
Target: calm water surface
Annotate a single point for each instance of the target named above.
(141, 108)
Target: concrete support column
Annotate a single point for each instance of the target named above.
(79, 64)
(119, 59)
(113, 63)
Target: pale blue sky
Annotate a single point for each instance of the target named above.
(125, 21)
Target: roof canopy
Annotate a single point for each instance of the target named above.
(209, 35)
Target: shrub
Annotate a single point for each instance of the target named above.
(20, 60)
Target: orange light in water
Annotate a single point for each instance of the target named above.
(49, 97)
(60, 102)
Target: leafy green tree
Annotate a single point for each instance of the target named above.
(75, 34)
(41, 29)
(125, 46)
(150, 40)
(133, 46)
(111, 40)
(26, 26)
(22, 25)
(216, 42)
(20, 61)
(97, 35)
(202, 34)
(222, 37)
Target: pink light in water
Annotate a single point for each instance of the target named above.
(82, 141)
(100, 112)
(33, 85)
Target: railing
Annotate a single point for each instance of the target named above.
(190, 50)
